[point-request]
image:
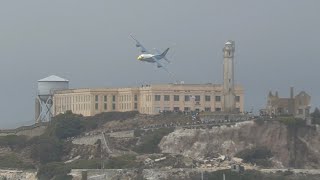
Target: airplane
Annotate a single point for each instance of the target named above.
(146, 56)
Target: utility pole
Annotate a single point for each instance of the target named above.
(224, 176)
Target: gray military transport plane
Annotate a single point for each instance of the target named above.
(146, 56)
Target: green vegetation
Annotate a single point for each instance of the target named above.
(151, 139)
(46, 149)
(50, 146)
(316, 116)
(85, 164)
(65, 125)
(59, 170)
(54, 169)
(12, 161)
(138, 132)
(68, 124)
(13, 141)
(291, 121)
(257, 155)
(121, 162)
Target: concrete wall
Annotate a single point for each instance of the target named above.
(29, 131)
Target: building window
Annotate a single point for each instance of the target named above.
(237, 98)
(237, 109)
(113, 106)
(105, 106)
(166, 97)
(306, 111)
(186, 109)
(135, 97)
(208, 98)
(207, 109)
(197, 98)
(96, 106)
(218, 109)
(97, 98)
(176, 109)
(105, 98)
(218, 98)
(176, 97)
(186, 98)
(135, 105)
(157, 97)
(113, 98)
(300, 111)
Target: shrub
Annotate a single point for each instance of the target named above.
(291, 121)
(151, 140)
(316, 116)
(138, 132)
(65, 125)
(257, 155)
(46, 149)
(13, 141)
(53, 170)
(69, 125)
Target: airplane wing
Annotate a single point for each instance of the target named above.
(139, 45)
(159, 65)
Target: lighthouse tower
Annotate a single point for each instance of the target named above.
(228, 77)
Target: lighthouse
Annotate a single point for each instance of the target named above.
(228, 77)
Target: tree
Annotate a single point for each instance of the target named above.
(316, 116)
(46, 149)
(65, 125)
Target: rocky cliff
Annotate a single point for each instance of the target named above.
(297, 147)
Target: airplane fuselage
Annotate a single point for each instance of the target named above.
(148, 58)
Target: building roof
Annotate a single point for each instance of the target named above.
(53, 78)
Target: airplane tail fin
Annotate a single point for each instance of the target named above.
(165, 52)
(163, 55)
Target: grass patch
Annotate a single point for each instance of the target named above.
(85, 164)
(122, 162)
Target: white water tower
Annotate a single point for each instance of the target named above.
(44, 99)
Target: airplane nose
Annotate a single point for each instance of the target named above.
(139, 58)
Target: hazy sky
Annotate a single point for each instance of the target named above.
(88, 43)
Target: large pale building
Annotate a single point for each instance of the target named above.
(152, 99)
(148, 99)
(298, 106)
